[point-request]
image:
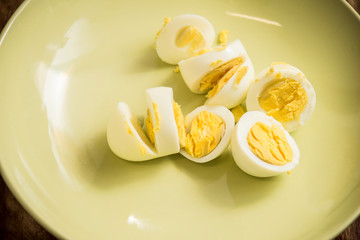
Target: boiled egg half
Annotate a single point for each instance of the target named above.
(183, 36)
(283, 92)
(209, 130)
(262, 147)
(225, 73)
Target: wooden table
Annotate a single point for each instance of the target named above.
(16, 223)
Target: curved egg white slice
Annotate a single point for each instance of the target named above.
(183, 37)
(195, 68)
(245, 157)
(229, 122)
(126, 138)
(270, 76)
(159, 101)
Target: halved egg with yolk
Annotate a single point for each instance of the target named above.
(209, 131)
(225, 74)
(283, 92)
(262, 147)
(183, 36)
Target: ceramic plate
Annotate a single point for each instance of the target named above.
(64, 65)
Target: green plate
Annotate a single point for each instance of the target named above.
(64, 65)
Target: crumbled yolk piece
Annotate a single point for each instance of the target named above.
(205, 134)
(270, 71)
(223, 36)
(151, 130)
(179, 119)
(166, 21)
(215, 76)
(278, 75)
(213, 64)
(220, 48)
(301, 75)
(269, 144)
(241, 73)
(176, 69)
(202, 51)
(157, 117)
(191, 36)
(237, 111)
(284, 100)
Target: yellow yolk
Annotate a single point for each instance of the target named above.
(151, 130)
(241, 73)
(269, 144)
(220, 48)
(213, 64)
(176, 69)
(149, 127)
(223, 36)
(205, 134)
(157, 117)
(202, 51)
(270, 71)
(220, 84)
(284, 100)
(179, 119)
(189, 35)
(128, 128)
(237, 111)
(220, 75)
(278, 75)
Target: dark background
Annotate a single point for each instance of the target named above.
(16, 223)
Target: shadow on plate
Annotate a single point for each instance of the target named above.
(222, 183)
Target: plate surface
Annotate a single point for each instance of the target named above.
(64, 65)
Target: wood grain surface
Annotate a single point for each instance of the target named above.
(16, 223)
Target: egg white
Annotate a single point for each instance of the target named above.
(264, 79)
(166, 138)
(227, 117)
(165, 43)
(246, 159)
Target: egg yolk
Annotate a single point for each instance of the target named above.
(151, 129)
(219, 76)
(190, 36)
(223, 36)
(241, 73)
(269, 144)
(179, 119)
(205, 134)
(284, 100)
(237, 111)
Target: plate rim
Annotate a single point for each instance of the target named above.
(19, 194)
